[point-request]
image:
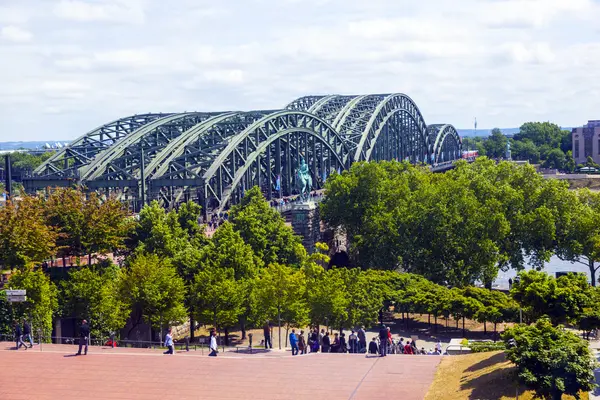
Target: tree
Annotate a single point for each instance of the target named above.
(41, 301)
(555, 159)
(24, 237)
(281, 294)
(85, 223)
(93, 294)
(569, 162)
(264, 229)
(495, 145)
(578, 236)
(6, 317)
(154, 290)
(158, 232)
(550, 361)
(188, 216)
(326, 296)
(563, 300)
(526, 150)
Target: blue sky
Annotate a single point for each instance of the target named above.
(67, 66)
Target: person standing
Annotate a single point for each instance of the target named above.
(362, 340)
(294, 342)
(169, 343)
(213, 344)
(438, 347)
(383, 341)
(267, 333)
(27, 333)
(315, 341)
(19, 337)
(353, 342)
(302, 343)
(84, 337)
(326, 343)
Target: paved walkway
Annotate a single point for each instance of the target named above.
(147, 374)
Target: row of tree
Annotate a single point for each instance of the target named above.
(462, 226)
(536, 142)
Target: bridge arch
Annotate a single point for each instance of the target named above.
(83, 150)
(447, 145)
(272, 147)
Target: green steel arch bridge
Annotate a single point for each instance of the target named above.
(213, 157)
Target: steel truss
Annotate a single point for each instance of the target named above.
(213, 158)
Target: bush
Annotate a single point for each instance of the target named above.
(482, 347)
(550, 361)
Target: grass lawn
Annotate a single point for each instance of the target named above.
(478, 376)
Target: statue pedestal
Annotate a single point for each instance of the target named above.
(307, 224)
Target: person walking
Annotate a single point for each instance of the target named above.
(27, 333)
(213, 344)
(267, 333)
(362, 339)
(84, 337)
(383, 341)
(19, 337)
(169, 343)
(438, 347)
(302, 343)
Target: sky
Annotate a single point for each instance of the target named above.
(68, 66)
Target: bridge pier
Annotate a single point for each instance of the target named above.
(307, 223)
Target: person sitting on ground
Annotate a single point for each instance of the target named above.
(408, 348)
(431, 352)
(423, 351)
(401, 345)
(373, 346)
(415, 349)
(335, 347)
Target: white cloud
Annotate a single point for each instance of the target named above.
(15, 34)
(110, 11)
(506, 61)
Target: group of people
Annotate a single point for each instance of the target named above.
(23, 332)
(323, 342)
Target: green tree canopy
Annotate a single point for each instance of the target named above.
(42, 296)
(550, 360)
(24, 236)
(264, 229)
(154, 290)
(93, 294)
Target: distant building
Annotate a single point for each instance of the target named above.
(586, 142)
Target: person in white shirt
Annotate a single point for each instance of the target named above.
(438, 347)
(213, 344)
(169, 343)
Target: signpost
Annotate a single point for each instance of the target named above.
(16, 296)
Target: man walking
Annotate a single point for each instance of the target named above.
(84, 337)
(169, 343)
(19, 337)
(294, 342)
(267, 333)
(213, 344)
(27, 333)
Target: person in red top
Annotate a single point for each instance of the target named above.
(408, 348)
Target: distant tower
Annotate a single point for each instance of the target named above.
(475, 124)
(508, 152)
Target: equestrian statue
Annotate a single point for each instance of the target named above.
(304, 180)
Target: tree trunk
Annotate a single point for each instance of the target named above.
(495, 332)
(287, 334)
(429, 320)
(226, 331)
(592, 271)
(485, 327)
(89, 259)
(279, 321)
(243, 327)
(435, 322)
(192, 328)
(463, 326)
